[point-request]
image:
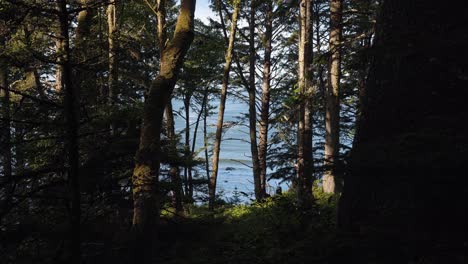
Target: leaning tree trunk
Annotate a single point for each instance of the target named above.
(174, 172)
(265, 108)
(222, 105)
(71, 108)
(305, 159)
(332, 109)
(404, 178)
(148, 156)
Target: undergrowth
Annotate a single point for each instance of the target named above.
(271, 231)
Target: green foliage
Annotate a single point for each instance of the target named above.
(271, 231)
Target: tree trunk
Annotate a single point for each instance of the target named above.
(148, 156)
(251, 88)
(205, 144)
(197, 123)
(187, 153)
(174, 175)
(71, 107)
(332, 110)
(83, 78)
(112, 79)
(174, 172)
(305, 159)
(222, 104)
(404, 177)
(265, 110)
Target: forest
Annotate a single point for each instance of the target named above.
(233, 131)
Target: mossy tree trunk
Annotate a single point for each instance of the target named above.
(148, 156)
(174, 171)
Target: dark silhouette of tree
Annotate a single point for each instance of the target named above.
(405, 175)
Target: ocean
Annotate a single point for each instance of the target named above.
(234, 175)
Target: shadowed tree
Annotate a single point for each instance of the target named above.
(5, 133)
(404, 178)
(71, 113)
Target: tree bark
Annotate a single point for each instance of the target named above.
(112, 79)
(306, 90)
(222, 105)
(251, 89)
(265, 108)
(187, 153)
(148, 156)
(71, 93)
(205, 143)
(197, 123)
(404, 177)
(332, 110)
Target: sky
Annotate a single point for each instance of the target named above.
(203, 10)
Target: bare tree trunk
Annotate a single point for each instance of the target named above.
(332, 110)
(251, 88)
(205, 144)
(72, 126)
(265, 110)
(113, 60)
(59, 43)
(222, 105)
(305, 159)
(148, 156)
(187, 153)
(197, 123)
(174, 169)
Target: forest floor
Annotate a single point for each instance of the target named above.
(274, 232)
(269, 232)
